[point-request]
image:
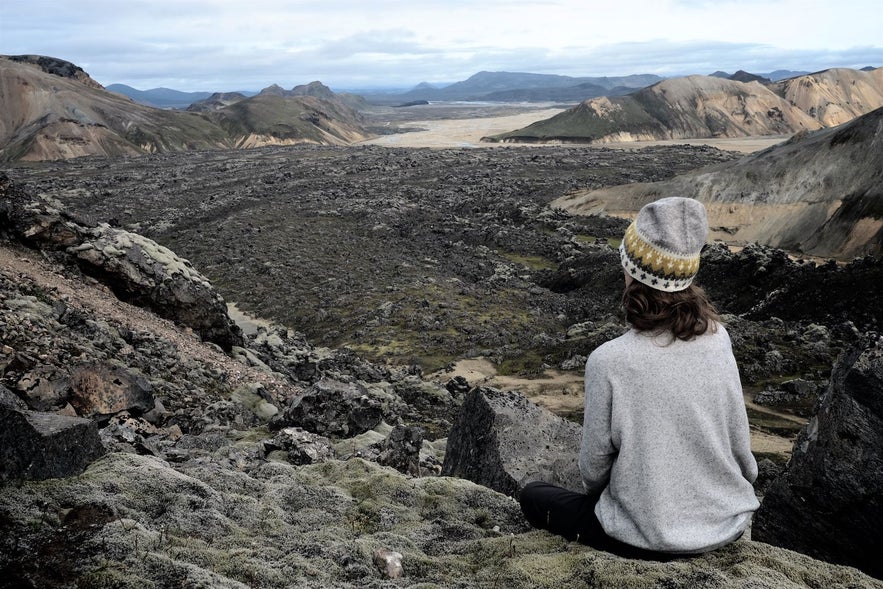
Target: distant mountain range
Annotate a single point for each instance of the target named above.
(52, 109)
(712, 106)
(163, 97)
(521, 87)
(483, 86)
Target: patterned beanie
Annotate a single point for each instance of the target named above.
(661, 247)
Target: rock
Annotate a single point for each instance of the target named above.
(145, 522)
(389, 562)
(767, 472)
(401, 450)
(798, 394)
(101, 389)
(335, 409)
(46, 388)
(36, 445)
(301, 447)
(829, 501)
(135, 268)
(503, 441)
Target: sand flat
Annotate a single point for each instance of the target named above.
(467, 132)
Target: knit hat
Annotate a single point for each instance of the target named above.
(661, 247)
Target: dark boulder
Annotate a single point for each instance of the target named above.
(36, 445)
(401, 449)
(829, 502)
(335, 409)
(503, 441)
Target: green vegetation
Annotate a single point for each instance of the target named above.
(530, 261)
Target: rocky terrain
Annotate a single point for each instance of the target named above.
(818, 193)
(709, 106)
(53, 110)
(285, 464)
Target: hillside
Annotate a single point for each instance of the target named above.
(53, 110)
(820, 193)
(711, 106)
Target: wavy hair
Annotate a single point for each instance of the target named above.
(685, 314)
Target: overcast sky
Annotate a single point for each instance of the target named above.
(352, 44)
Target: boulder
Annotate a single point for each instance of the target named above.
(334, 408)
(401, 449)
(35, 445)
(503, 441)
(829, 501)
(100, 389)
(137, 269)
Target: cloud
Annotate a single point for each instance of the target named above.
(228, 44)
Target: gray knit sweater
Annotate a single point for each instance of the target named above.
(666, 436)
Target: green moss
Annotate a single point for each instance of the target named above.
(530, 261)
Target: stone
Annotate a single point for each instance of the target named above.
(137, 269)
(46, 388)
(300, 446)
(503, 441)
(36, 445)
(388, 562)
(334, 408)
(401, 449)
(829, 501)
(102, 389)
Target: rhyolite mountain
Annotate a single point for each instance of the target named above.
(820, 193)
(53, 110)
(711, 106)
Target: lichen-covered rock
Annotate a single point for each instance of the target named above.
(136, 268)
(137, 521)
(37, 445)
(829, 501)
(503, 441)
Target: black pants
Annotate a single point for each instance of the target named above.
(572, 515)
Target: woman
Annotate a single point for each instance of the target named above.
(665, 457)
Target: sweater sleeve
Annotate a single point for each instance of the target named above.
(597, 450)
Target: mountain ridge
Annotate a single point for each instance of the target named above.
(713, 106)
(53, 110)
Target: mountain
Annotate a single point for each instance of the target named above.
(216, 101)
(159, 97)
(270, 119)
(777, 75)
(53, 110)
(834, 96)
(676, 108)
(518, 86)
(711, 106)
(820, 193)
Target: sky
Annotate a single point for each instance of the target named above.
(227, 45)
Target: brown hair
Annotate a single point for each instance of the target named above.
(685, 313)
